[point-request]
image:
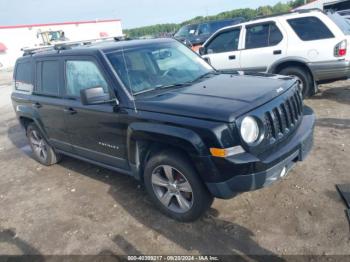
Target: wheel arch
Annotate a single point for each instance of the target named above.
(27, 115)
(25, 121)
(146, 139)
(288, 62)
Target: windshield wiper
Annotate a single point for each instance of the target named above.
(162, 87)
(204, 76)
(178, 84)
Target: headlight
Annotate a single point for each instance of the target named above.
(249, 130)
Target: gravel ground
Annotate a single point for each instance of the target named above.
(78, 208)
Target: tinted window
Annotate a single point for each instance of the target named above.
(203, 29)
(82, 75)
(50, 77)
(23, 78)
(224, 42)
(215, 26)
(263, 35)
(310, 28)
(186, 31)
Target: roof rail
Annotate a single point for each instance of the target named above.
(64, 45)
(301, 11)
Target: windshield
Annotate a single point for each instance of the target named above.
(187, 30)
(156, 66)
(341, 22)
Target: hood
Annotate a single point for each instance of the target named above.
(222, 97)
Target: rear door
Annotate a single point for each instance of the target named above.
(264, 43)
(222, 51)
(48, 103)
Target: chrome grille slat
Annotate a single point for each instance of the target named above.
(287, 114)
(282, 119)
(298, 103)
(295, 107)
(278, 121)
(291, 110)
(275, 127)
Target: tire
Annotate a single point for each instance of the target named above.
(42, 151)
(178, 202)
(303, 76)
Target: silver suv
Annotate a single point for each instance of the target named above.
(309, 44)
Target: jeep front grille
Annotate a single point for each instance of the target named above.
(283, 119)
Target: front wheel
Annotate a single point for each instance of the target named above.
(175, 188)
(303, 77)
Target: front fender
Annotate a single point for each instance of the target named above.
(174, 136)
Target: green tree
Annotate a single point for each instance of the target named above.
(247, 13)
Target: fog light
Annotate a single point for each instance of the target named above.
(283, 172)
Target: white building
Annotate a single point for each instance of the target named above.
(13, 38)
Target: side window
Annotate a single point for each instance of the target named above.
(224, 42)
(49, 79)
(310, 28)
(203, 29)
(82, 75)
(262, 35)
(24, 77)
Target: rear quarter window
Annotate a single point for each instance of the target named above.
(24, 77)
(310, 28)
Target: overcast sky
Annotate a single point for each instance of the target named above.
(133, 13)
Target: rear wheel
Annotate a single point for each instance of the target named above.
(175, 188)
(42, 151)
(303, 77)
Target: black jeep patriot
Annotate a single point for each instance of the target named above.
(154, 110)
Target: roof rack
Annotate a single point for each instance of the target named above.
(301, 11)
(64, 45)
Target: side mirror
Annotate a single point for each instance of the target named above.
(202, 50)
(95, 96)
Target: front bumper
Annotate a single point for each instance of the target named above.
(295, 150)
(330, 70)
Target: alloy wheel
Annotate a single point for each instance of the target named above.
(39, 145)
(172, 188)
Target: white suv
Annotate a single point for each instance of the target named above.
(310, 45)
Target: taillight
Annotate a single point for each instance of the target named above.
(340, 49)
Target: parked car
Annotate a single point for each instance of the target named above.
(194, 35)
(310, 45)
(155, 110)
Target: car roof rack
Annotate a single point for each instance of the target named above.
(301, 11)
(65, 45)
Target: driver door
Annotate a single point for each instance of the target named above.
(97, 132)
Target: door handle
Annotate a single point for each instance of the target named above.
(36, 105)
(277, 52)
(69, 111)
(232, 57)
